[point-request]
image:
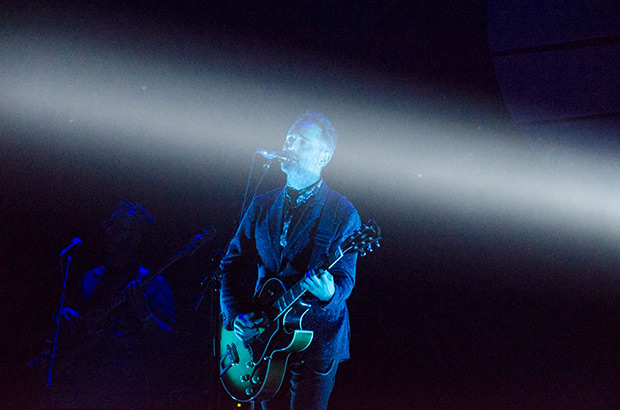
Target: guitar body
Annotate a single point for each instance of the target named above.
(254, 370)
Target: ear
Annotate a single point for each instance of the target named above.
(324, 158)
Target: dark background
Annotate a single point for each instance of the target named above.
(463, 307)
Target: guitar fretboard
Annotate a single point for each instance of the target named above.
(296, 291)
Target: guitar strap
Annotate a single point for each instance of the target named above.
(325, 231)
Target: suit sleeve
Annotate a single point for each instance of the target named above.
(238, 267)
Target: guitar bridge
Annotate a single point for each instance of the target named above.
(229, 359)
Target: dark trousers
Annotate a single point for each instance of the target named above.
(307, 386)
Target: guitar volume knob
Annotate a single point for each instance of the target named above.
(256, 379)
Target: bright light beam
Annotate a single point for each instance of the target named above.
(220, 113)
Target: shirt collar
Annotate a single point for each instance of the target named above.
(296, 198)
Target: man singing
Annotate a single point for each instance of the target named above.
(282, 235)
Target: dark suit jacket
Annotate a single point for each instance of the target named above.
(254, 256)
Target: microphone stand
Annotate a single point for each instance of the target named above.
(214, 277)
(212, 280)
(205, 283)
(57, 333)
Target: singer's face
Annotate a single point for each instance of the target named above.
(307, 152)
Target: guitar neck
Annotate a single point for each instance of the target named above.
(100, 314)
(297, 290)
(361, 241)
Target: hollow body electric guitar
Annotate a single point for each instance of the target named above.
(254, 370)
(90, 328)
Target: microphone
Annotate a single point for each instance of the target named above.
(283, 156)
(75, 243)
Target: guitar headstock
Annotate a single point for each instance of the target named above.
(364, 240)
(197, 241)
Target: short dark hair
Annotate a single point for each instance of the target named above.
(134, 208)
(328, 133)
(142, 220)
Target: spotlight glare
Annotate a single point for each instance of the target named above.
(224, 116)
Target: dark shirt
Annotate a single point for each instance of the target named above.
(158, 295)
(294, 199)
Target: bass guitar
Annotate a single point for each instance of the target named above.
(254, 370)
(89, 329)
